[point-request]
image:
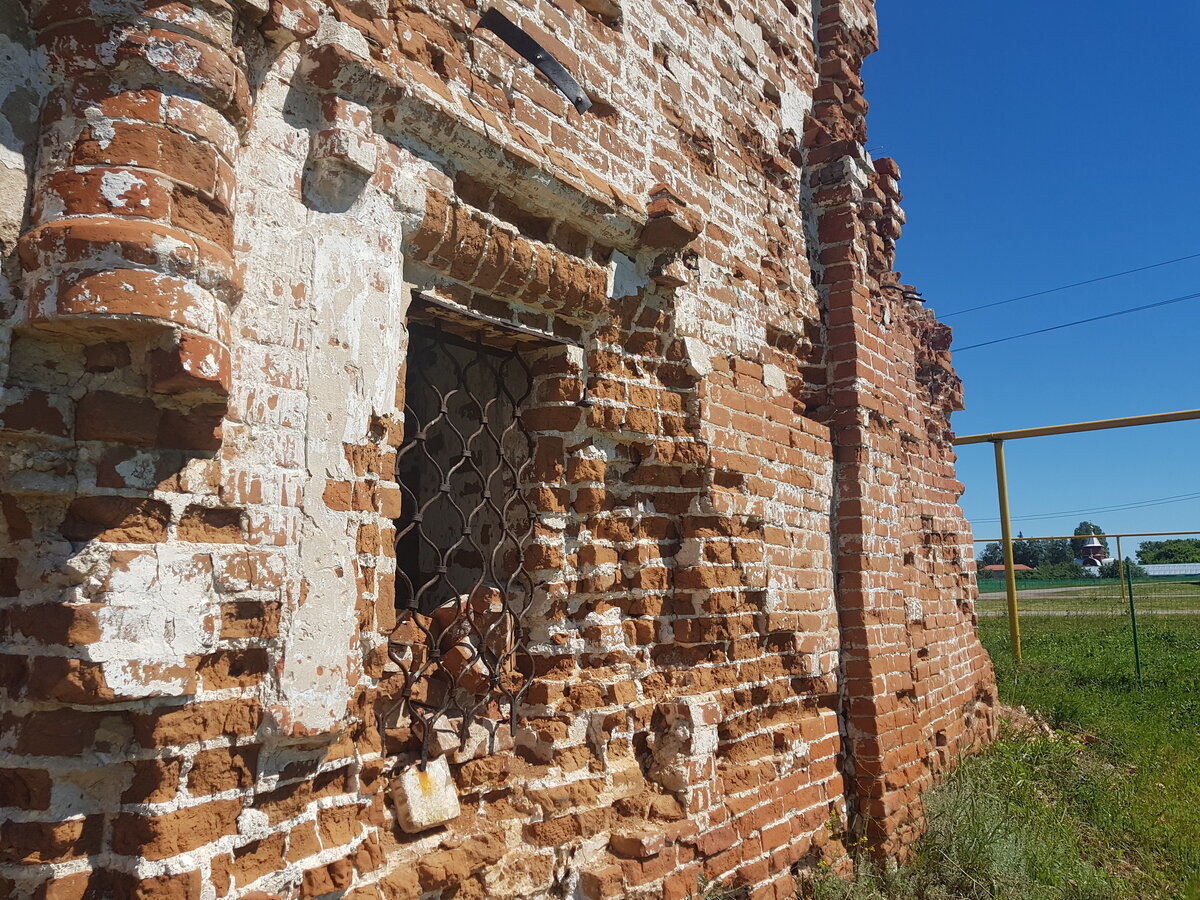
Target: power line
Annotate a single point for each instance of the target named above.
(1103, 509)
(1177, 498)
(1119, 312)
(1067, 287)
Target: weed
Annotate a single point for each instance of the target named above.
(1101, 804)
(1145, 817)
(714, 890)
(996, 830)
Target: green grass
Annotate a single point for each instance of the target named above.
(1105, 807)
(1107, 585)
(1079, 674)
(1092, 595)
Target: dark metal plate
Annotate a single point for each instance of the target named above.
(513, 35)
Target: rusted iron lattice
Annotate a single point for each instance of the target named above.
(462, 589)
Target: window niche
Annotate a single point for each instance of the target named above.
(465, 470)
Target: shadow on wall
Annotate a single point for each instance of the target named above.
(22, 88)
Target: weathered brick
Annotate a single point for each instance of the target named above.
(222, 769)
(25, 788)
(197, 722)
(108, 416)
(33, 410)
(160, 837)
(211, 525)
(116, 519)
(47, 842)
(154, 780)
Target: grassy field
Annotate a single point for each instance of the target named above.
(1077, 673)
(1033, 585)
(1090, 596)
(1101, 802)
(1103, 585)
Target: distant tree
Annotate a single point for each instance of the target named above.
(992, 555)
(1061, 571)
(1027, 553)
(1113, 569)
(1057, 551)
(1176, 550)
(1086, 528)
(1035, 553)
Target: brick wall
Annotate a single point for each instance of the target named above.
(753, 632)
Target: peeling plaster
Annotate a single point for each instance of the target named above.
(159, 608)
(795, 104)
(115, 185)
(625, 277)
(350, 324)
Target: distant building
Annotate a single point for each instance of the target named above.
(998, 571)
(1093, 556)
(1163, 570)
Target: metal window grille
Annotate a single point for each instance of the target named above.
(462, 590)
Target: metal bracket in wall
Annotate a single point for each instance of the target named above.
(513, 35)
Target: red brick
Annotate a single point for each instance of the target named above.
(116, 519)
(196, 363)
(106, 416)
(34, 411)
(46, 842)
(159, 837)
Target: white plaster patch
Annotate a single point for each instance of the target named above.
(374, 8)
(624, 279)
(22, 68)
(254, 824)
(749, 32)
(331, 31)
(172, 56)
(101, 126)
(913, 611)
(795, 104)
(83, 791)
(593, 451)
(290, 19)
(699, 356)
(774, 377)
(53, 206)
(207, 367)
(612, 615)
(115, 185)
(160, 609)
(139, 471)
(575, 355)
(346, 330)
(107, 52)
(857, 17)
(168, 246)
(690, 553)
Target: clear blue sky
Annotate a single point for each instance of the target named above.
(1042, 144)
